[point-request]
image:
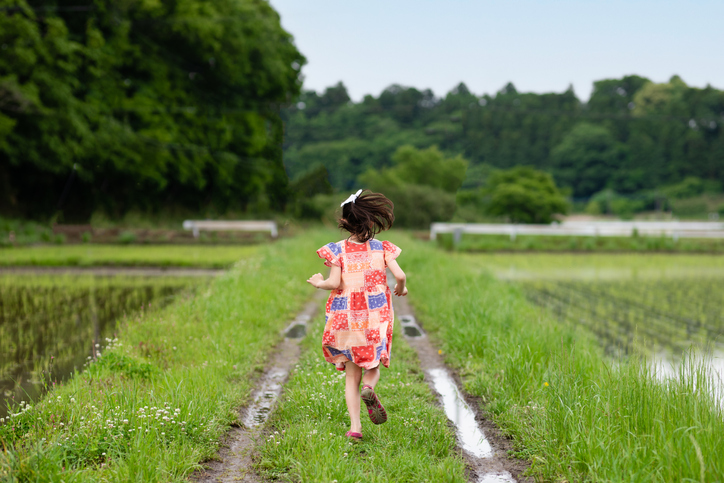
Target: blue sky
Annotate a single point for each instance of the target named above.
(540, 46)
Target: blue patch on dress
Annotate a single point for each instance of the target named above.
(377, 301)
(338, 303)
(348, 354)
(376, 245)
(335, 249)
(333, 351)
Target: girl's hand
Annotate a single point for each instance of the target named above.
(400, 294)
(316, 279)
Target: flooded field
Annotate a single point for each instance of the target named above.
(51, 326)
(661, 306)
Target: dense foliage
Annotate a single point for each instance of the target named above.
(524, 195)
(633, 136)
(143, 104)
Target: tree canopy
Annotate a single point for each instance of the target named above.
(151, 104)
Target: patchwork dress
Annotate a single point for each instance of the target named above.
(359, 315)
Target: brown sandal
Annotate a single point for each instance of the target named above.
(377, 412)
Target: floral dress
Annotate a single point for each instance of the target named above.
(359, 315)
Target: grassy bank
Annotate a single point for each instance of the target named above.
(158, 399)
(308, 442)
(529, 243)
(575, 414)
(126, 256)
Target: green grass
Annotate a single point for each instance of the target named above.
(113, 255)
(530, 243)
(575, 414)
(192, 362)
(306, 440)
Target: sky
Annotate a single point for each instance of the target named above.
(538, 45)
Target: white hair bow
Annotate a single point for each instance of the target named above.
(352, 198)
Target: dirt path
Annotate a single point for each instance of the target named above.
(234, 463)
(113, 271)
(484, 446)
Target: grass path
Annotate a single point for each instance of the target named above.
(306, 439)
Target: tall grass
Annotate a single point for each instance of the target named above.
(574, 414)
(158, 399)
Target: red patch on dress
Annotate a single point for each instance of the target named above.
(358, 301)
(373, 336)
(356, 247)
(375, 277)
(340, 321)
(385, 315)
(363, 353)
(328, 338)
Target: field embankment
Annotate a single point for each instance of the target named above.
(581, 244)
(157, 401)
(126, 256)
(575, 414)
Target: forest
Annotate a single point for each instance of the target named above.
(146, 105)
(635, 142)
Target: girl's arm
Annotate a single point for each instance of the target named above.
(335, 278)
(400, 289)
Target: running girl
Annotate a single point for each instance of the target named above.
(359, 315)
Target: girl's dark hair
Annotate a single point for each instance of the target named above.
(368, 215)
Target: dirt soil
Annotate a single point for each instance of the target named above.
(500, 462)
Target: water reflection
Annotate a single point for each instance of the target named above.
(266, 396)
(457, 410)
(49, 327)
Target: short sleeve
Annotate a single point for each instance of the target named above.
(391, 251)
(330, 253)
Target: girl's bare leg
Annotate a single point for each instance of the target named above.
(351, 393)
(372, 377)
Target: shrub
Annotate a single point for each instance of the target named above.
(524, 195)
(127, 237)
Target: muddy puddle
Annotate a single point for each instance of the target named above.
(458, 411)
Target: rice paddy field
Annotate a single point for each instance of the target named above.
(600, 367)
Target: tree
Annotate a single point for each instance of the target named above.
(524, 195)
(147, 104)
(421, 183)
(586, 158)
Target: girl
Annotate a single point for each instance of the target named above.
(359, 315)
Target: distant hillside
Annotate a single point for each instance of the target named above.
(632, 135)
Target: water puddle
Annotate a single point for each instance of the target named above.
(410, 327)
(271, 383)
(457, 410)
(266, 396)
(298, 328)
(502, 477)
